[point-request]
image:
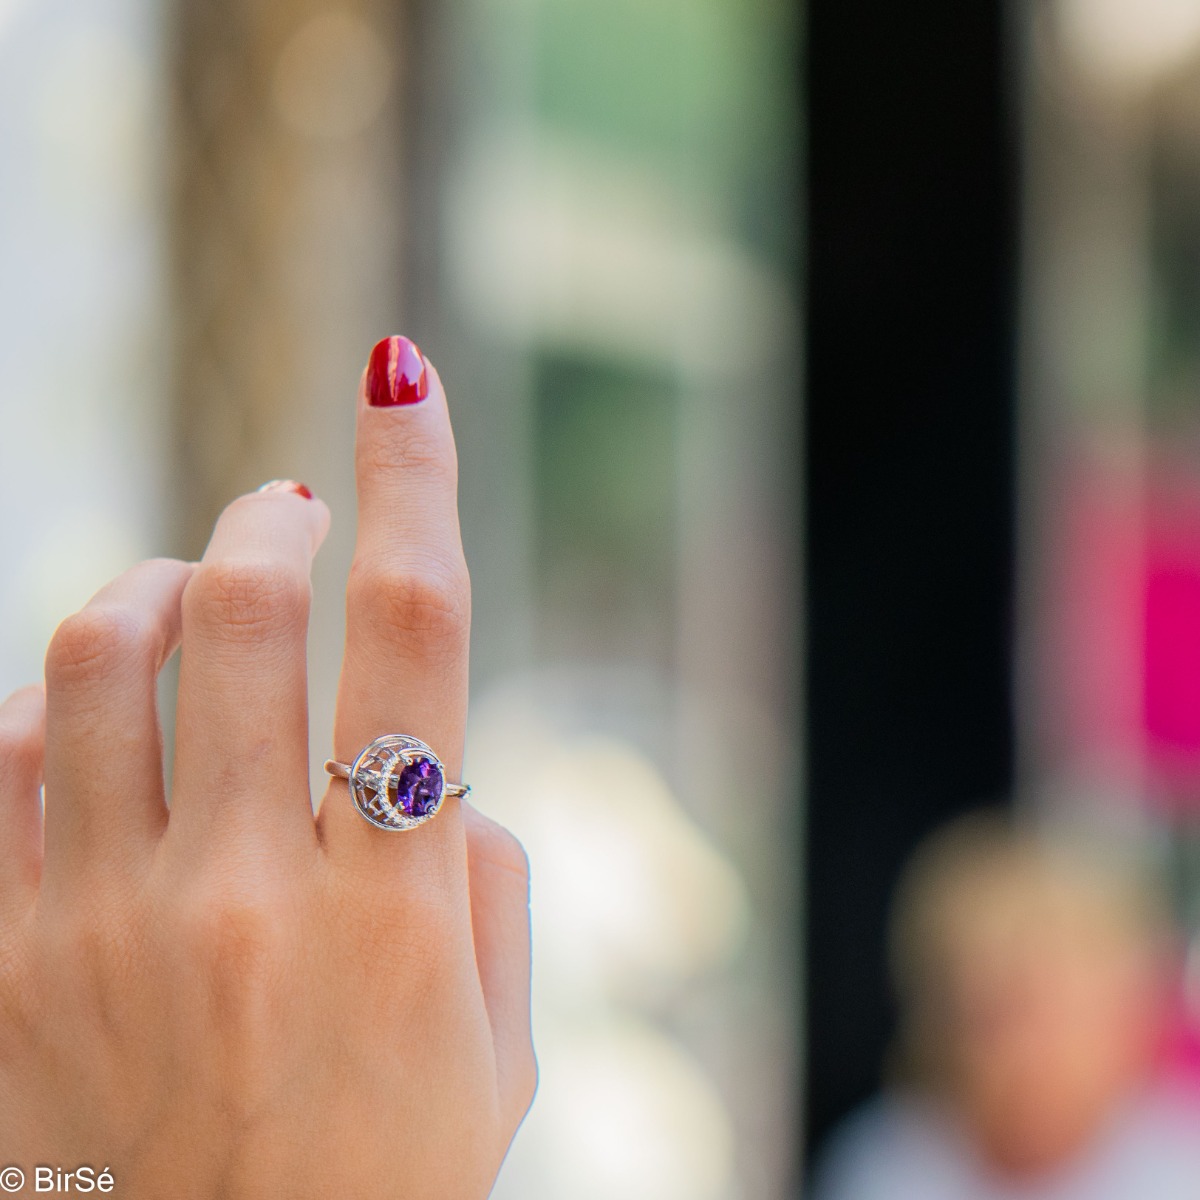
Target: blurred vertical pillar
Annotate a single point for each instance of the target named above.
(286, 230)
(910, 480)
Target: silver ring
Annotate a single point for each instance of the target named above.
(397, 782)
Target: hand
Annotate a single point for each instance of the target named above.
(233, 999)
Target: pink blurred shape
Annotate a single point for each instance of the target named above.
(1171, 635)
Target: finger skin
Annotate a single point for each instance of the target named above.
(499, 872)
(104, 772)
(407, 632)
(241, 758)
(22, 745)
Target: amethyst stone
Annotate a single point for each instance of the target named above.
(418, 787)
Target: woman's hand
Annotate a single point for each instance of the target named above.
(235, 999)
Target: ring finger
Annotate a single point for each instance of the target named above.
(104, 774)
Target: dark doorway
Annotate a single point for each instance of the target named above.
(912, 187)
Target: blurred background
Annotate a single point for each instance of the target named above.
(583, 211)
(1002, 543)
(766, 646)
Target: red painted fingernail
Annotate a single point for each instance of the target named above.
(287, 485)
(396, 374)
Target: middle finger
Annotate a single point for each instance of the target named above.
(241, 758)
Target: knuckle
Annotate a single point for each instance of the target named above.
(92, 643)
(235, 929)
(101, 942)
(418, 452)
(414, 608)
(493, 844)
(233, 946)
(97, 944)
(247, 599)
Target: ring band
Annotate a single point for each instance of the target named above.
(397, 782)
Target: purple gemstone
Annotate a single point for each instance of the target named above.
(418, 788)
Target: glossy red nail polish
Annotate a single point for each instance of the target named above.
(396, 374)
(287, 485)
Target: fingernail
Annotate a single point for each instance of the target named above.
(396, 374)
(287, 485)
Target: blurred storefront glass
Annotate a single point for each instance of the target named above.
(612, 287)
